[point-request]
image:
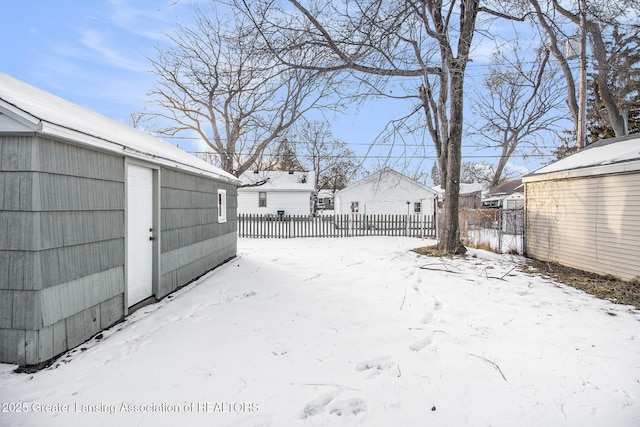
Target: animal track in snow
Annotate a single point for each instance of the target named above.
(427, 318)
(376, 365)
(421, 344)
(245, 295)
(317, 405)
(347, 407)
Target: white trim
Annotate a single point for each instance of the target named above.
(222, 206)
(616, 168)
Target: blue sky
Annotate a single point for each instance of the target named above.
(94, 53)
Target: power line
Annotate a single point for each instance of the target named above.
(389, 145)
(365, 157)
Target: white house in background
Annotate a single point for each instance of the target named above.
(271, 192)
(386, 192)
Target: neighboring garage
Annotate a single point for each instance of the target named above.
(584, 211)
(96, 217)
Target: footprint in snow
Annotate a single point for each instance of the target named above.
(427, 318)
(245, 295)
(376, 365)
(421, 344)
(318, 405)
(347, 407)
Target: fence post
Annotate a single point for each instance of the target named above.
(406, 231)
(500, 226)
(350, 225)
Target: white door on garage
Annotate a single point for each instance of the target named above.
(139, 233)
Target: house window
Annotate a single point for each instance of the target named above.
(262, 199)
(417, 207)
(354, 207)
(222, 205)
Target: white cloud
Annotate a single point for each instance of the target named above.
(151, 21)
(97, 43)
(516, 170)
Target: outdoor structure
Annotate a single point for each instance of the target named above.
(95, 218)
(584, 211)
(470, 196)
(325, 200)
(274, 193)
(386, 192)
(508, 195)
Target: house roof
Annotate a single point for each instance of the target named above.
(465, 189)
(386, 172)
(507, 187)
(325, 193)
(278, 181)
(614, 155)
(27, 109)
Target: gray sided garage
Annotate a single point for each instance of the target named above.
(95, 218)
(584, 211)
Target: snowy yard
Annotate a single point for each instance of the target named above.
(349, 332)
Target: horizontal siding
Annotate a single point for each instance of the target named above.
(182, 265)
(73, 193)
(62, 265)
(79, 294)
(183, 181)
(59, 229)
(385, 196)
(34, 270)
(38, 154)
(180, 218)
(589, 223)
(292, 203)
(64, 159)
(62, 242)
(172, 198)
(192, 241)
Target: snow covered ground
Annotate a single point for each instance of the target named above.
(349, 332)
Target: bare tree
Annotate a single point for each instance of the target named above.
(218, 83)
(478, 172)
(333, 163)
(623, 59)
(518, 106)
(422, 46)
(599, 17)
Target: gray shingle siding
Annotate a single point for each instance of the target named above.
(193, 242)
(62, 242)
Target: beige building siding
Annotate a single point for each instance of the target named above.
(590, 223)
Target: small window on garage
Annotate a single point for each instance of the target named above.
(355, 207)
(222, 205)
(417, 207)
(262, 199)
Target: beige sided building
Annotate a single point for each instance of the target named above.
(584, 211)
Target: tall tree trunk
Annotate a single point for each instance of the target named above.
(616, 120)
(450, 238)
